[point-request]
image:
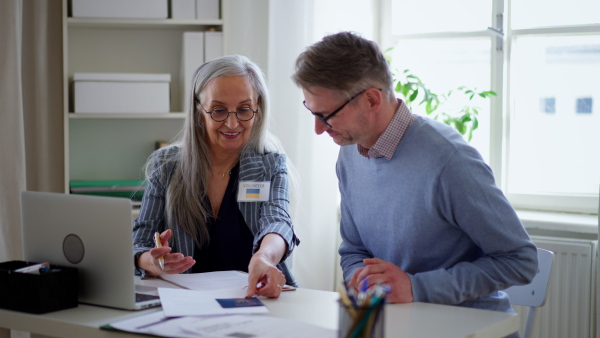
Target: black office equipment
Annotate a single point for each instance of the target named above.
(37, 293)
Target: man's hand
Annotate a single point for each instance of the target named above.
(380, 271)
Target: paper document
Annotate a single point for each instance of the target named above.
(253, 326)
(207, 281)
(263, 326)
(212, 280)
(155, 323)
(180, 302)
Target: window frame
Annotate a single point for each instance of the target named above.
(499, 146)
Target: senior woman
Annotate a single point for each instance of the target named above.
(219, 196)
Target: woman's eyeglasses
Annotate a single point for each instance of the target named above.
(220, 114)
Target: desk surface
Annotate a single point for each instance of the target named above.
(306, 305)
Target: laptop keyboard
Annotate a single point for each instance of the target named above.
(140, 297)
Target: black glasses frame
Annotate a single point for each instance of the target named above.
(325, 118)
(230, 112)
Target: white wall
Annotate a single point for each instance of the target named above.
(272, 34)
(246, 29)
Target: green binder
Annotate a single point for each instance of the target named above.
(133, 189)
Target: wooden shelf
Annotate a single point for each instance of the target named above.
(143, 23)
(126, 116)
(112, 146)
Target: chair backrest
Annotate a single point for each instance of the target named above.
(534, 293)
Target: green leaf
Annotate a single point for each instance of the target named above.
(428, 108)
(405, 91)
(470, 135)
(399, 87)
(414, 95)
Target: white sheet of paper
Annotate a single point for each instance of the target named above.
(210, 280)
(181, 302)
(155, 323)
(253, 326)
(158, 324)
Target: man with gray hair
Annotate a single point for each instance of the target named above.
(420, 208)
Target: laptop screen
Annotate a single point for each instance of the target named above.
(91, 233)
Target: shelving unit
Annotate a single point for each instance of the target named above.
(116, 146)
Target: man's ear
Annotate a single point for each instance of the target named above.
(374, 99)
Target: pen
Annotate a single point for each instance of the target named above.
(35, 269)
(352, 295)
(161, 259)
(347, 303)
(363, 291)
(164, 319)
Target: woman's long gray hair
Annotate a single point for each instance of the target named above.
(187, 189)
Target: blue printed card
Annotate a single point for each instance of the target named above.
(239, 302)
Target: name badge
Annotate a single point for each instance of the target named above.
(249, 191)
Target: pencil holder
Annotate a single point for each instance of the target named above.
(361, 321)
(53, 290)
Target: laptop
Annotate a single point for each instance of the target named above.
(93, 234)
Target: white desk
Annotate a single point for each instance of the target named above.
(310, 306)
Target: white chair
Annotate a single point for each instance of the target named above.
(534, 293)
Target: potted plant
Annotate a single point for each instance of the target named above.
(456, 107)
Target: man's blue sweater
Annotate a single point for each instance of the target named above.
(434, 210)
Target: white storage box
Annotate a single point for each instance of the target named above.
(121, 93)
(183, 9)
(134, 9)
(207, 9)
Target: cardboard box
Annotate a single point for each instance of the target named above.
(121, 93)
(134, 9)
(37, 293)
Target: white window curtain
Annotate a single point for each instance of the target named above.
(31, 120)
(273, 33)
(315, 213)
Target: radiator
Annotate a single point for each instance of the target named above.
(570, 307)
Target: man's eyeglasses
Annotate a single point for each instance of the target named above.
(325, 118)
(220, 114)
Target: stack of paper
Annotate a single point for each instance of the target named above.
(201, 307)
(262, 326)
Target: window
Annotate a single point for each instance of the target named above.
(540, 135)
(584, 105)
(548, 105)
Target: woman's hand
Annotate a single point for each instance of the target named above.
(262, 268)
(174, 262)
